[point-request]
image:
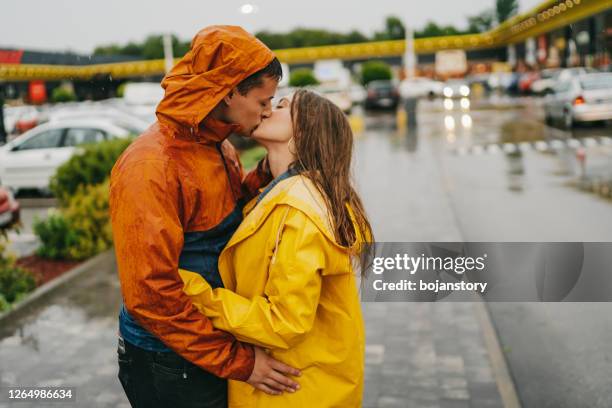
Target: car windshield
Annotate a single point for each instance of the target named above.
(590, 82)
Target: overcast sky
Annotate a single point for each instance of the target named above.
(81, 25)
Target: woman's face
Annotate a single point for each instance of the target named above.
(278, 128)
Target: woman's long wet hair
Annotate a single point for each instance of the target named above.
(323, 148)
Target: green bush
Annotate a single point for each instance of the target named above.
(56, 236)
(302, 77)
(81, 227)
(80, 230)
(4, 304)
(250, 158)
(14, 281)
(375, 70)
(62, 94)
(121, 90)
(91, 167)
(88, 216)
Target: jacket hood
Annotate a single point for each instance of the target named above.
(219, 58)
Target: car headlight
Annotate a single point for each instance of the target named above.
(448, 92)
(464, 90)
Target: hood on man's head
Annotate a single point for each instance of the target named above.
(219, 58)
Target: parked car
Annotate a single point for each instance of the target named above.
(551, 77)
(20, 119)
(9, 209)
(504, 81)
(30, 160)
(546, 83)
(478, 80)
(420, 87)
(358, 94)
(456, 88)
(341, 97)
(526, 80)
(141, 99)
(382, 94)
(585, 98)
(124, 120)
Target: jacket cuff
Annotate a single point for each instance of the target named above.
(244, 373)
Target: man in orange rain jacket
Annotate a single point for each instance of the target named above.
(176, 198)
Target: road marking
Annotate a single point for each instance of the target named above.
(540, 146)
(509, 147)
(505, 384)
(493, 149)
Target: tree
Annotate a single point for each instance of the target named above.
(505, 9)
(374, 70)
(305, 37)
(356, 37)
(432, 29)
(482, 22)
(394, 30)
(302, 77)
(151, 48)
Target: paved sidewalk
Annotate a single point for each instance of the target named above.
(427, 355)
(69, 341)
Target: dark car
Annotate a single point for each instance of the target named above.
(9, 209)
(382, 95)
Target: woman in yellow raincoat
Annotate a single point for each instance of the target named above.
(288, 271)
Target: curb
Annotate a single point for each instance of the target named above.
(505, 384)
(42, 292)
(37, 202)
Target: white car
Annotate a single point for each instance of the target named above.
(549, 78)
(141, 99)
(358, 94)
(456, 88)
(585, 98)
(340, 97)
(420, 87)
(32, 159)
(124, 120)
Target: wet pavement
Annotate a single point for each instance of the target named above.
(508, 177)
(417, 185)
(68, 341)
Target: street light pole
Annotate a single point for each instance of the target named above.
(409, 54)
(168, 53)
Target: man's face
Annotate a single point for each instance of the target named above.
(249, 110)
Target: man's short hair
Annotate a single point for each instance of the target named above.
(272, 70)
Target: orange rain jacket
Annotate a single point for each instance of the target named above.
(176, 197)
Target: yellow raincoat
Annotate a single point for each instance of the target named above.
(291, 289)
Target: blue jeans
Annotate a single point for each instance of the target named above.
(165, 379)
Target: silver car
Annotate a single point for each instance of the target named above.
(585, 98)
